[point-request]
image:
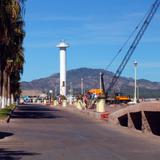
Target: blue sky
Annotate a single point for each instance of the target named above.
(95, 31)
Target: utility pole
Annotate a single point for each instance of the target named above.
(100, 81)
(82, 86)
(135, 82)
(70, 88)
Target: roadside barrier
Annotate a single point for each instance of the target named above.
(100, 105)
(64, 103)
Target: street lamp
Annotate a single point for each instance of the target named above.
(50, 92)
(55, 91)
(82, 86)
(135, 81)
(70, 88)
(100, 80)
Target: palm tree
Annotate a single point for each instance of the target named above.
(5, 17)
(18, 57)
(11, 52)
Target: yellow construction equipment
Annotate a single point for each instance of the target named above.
(120, 98)
(96, 91)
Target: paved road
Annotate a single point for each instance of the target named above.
(41, 133)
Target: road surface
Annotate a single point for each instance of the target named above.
(38, 132)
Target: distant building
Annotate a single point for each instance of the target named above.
(32, 93)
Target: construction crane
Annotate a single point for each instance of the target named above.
(134, 44)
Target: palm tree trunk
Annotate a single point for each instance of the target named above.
(12, 98)
(9, 91)
(4, 89)
(1, 79)
(0, 88)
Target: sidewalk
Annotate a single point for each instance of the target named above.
(92, 112)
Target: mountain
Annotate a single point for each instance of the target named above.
(147, 89)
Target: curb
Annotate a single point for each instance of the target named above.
(97, 115)
(93, 114)
(7, 120)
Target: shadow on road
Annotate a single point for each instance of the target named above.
(35, 108)
(6, 154)
(34, 112)
(5, 134)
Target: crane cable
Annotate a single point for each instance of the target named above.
(128, 39)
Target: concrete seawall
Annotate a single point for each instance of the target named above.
(143, 116)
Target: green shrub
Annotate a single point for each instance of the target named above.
(4, 112)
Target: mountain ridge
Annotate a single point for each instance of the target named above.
(91, 80)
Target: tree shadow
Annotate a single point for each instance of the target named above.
(5, 134)
(34, 115)
(6, 154)
(28, 107)
(34, 112)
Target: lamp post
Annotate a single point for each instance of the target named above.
(100, 81)
(135, 82)
(55, 91)
(71, 88)
(82, 86)
(50, 95)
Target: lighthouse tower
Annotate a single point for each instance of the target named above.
(62, 46)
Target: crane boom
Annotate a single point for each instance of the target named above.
(134, 44)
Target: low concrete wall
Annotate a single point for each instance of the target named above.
(143, 116)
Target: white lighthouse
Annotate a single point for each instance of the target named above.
(62, 46)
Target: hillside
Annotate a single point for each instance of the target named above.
(91, 80)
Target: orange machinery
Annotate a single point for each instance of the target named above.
(96, 91)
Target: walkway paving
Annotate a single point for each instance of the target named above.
(42, 133)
